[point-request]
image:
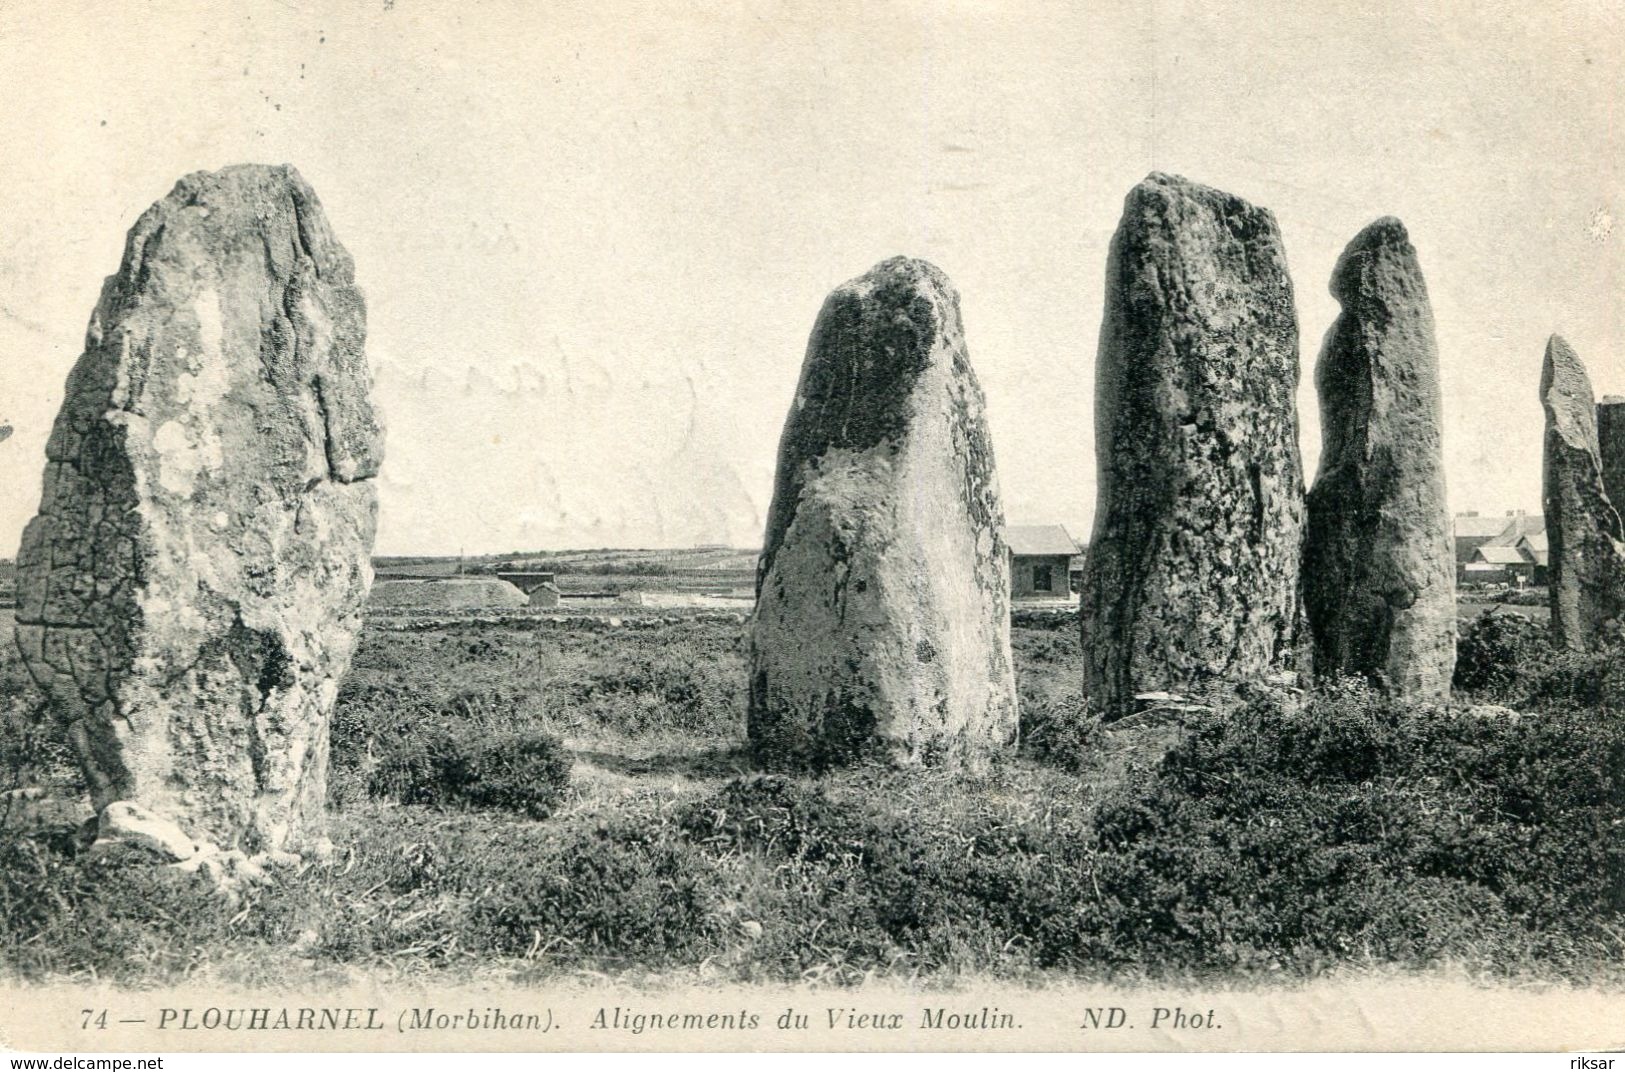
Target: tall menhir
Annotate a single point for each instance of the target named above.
(1379, 563)
(882, 624)
(1191, 580)
(192, 588)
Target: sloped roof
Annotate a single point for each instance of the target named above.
(1538, 547)
(1039, 540)
(1521, 525)
(1471, 526)
(1500, 555)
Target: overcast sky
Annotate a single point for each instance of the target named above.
(593, 237)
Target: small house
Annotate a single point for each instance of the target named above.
(1040, 561)
(1508, 562)
(1514, 553)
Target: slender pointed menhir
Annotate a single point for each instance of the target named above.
(1191, 579)
(190, 593)
(882, 620)
(1379, 569)
(1583, 529)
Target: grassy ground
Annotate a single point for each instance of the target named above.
(523, 800)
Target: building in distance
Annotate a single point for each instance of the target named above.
(540, 588)
(1041, 560)
(1510, 549)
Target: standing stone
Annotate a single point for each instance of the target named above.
(191, 591)
(1611, 447)
(1191, 580)
(1583, 530)
(1379, 562)
(882, 622)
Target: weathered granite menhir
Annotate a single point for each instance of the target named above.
(1191, 581)
(1586, 541)
(882, 623)
(1379, 568)
(192, 588)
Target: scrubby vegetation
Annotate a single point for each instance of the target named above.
(523, 771)
(1496, 651)
(1275, 840)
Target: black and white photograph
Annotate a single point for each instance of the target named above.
(918, 525)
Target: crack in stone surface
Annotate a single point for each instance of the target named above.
(190, 591)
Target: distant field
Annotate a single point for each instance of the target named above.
(599, 578)
(593, 560)
(610, 593)
(622, 576)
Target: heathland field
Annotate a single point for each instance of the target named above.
(529, 798)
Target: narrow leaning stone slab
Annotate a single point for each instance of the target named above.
(1379, 560)
(190, 593)
(882, 623)
(1586, 542)
(1191, 579)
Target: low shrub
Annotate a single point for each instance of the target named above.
(1510, 660)
(1496, 651)
(1361, 830)
(775, 815)
(119, 915)
(1581, 680)
(418, 768)
(1061, 730)
(1048, 645)
(517, 770)
(622, 890)
(858, 887)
